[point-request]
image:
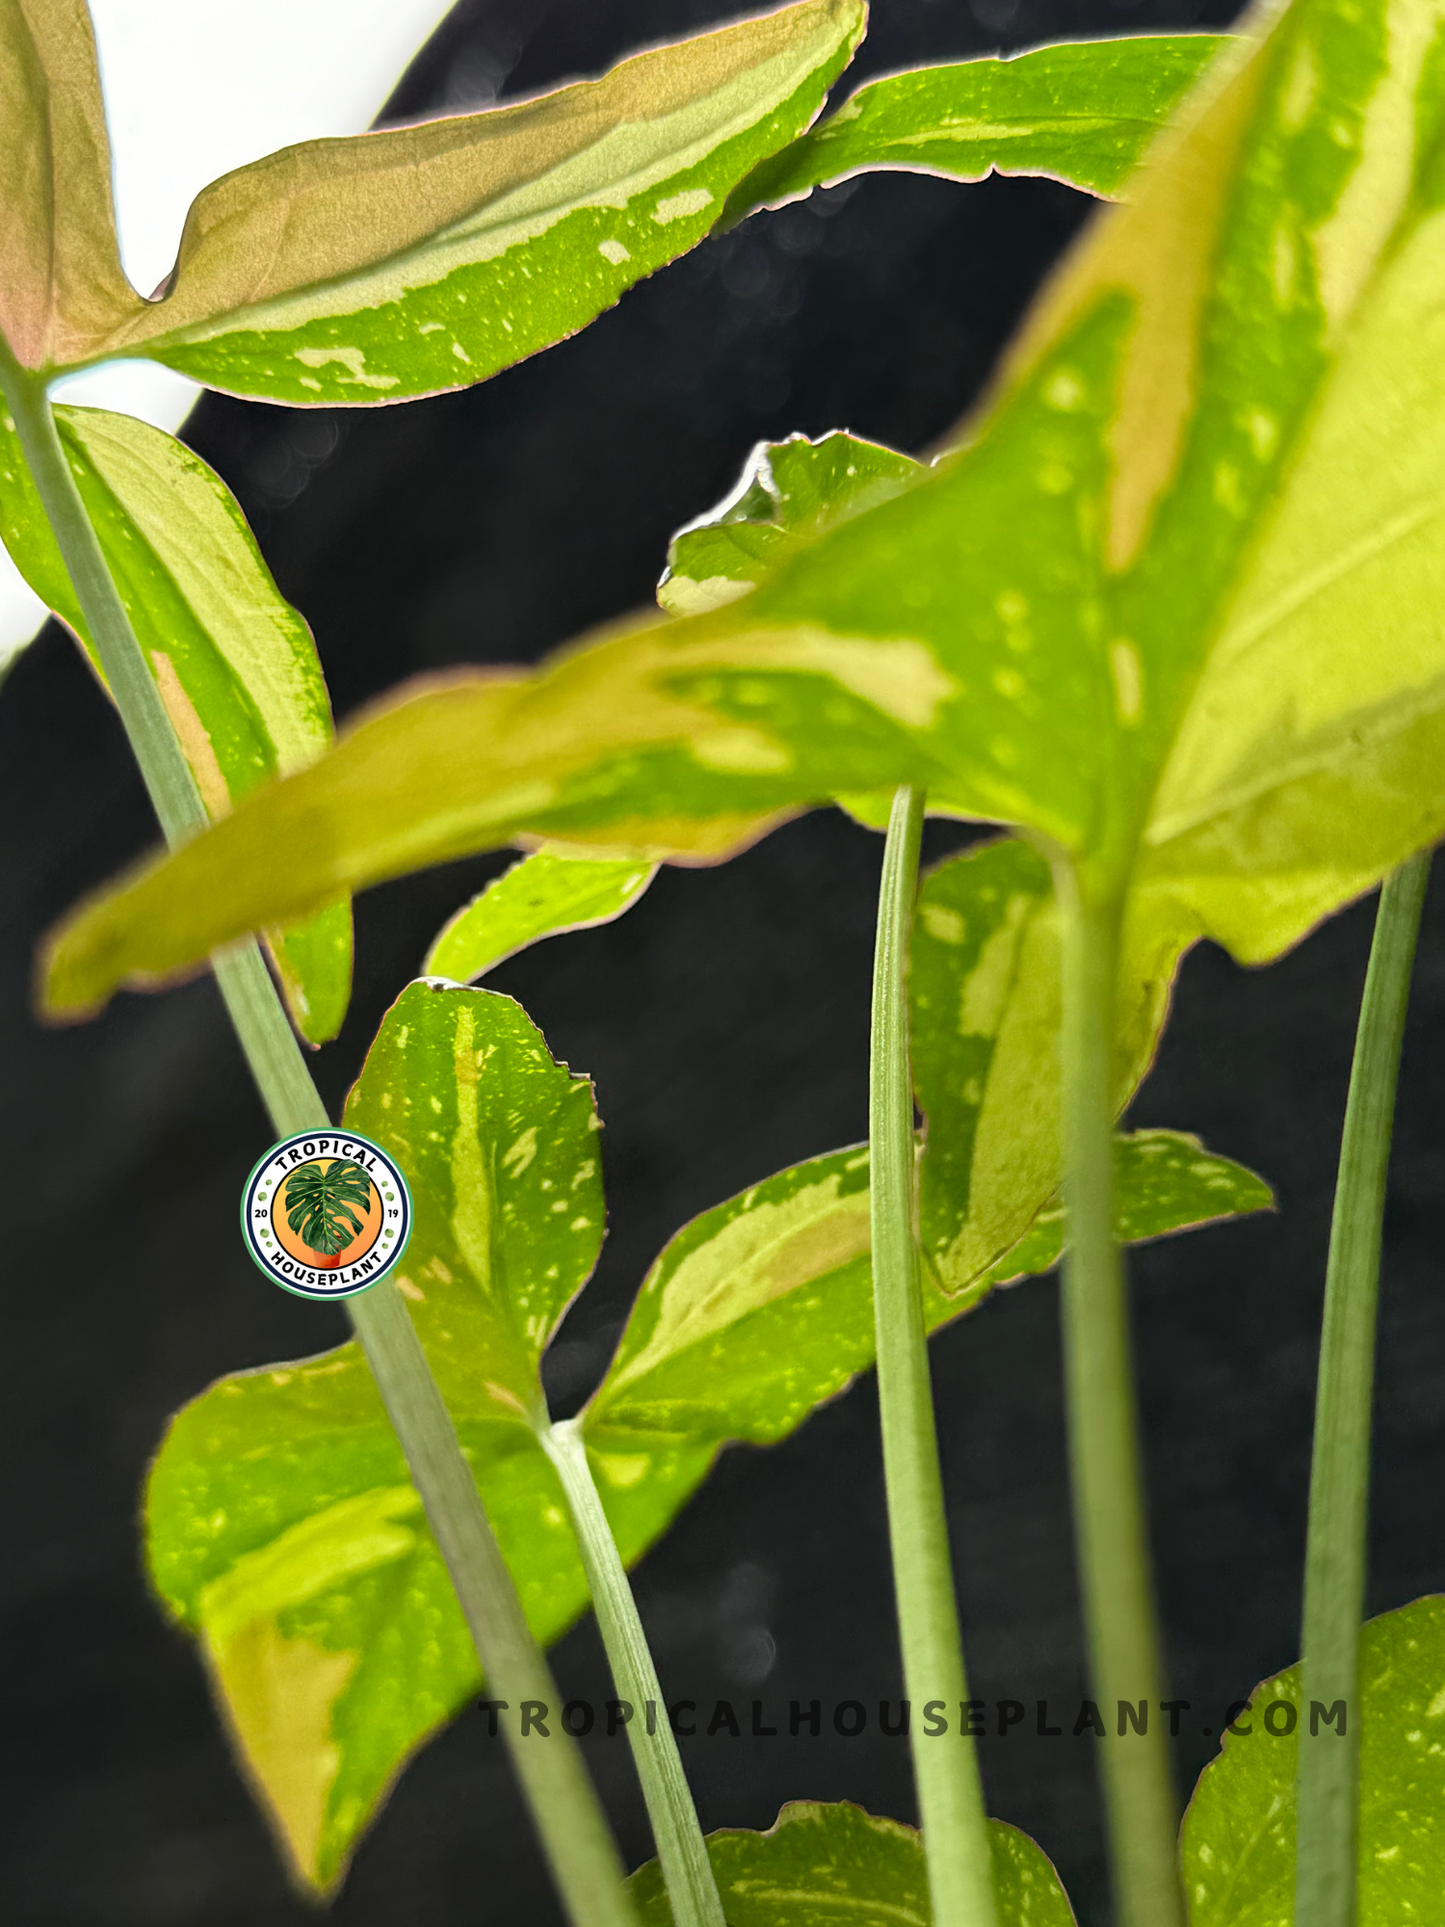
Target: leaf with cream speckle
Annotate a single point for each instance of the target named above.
(1083, 112)
(1167, 600)
(418, 259)
(282, 1528)
(761, 1309)
(1238, 1842)
(787, 492)
(984, 994)
(838, 1862)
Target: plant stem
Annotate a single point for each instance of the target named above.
(950, 1793)
(1335, 1555)
(1104, 1457)
(691, 1888)
(565, 1808)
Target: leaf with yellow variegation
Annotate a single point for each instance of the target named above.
(544, 895)
(787, 492)
(235, 664)
(425, 258)
(1167, 603)
(282, 1529)
(985, 995)
(1083, 111)
(838, 1862)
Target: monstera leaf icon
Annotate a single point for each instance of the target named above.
(319, 1204)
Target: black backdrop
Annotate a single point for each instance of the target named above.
(725, 1023)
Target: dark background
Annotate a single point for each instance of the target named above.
(725, 1022)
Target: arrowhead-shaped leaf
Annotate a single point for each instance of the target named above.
(1083, 112)
(762, 1308)
(282, 1529)
(818, 1864)
(1239, 1833)
(1169, 603)
(544, 895)
(282, 1526)
(426, 258)
(61, 282)
(235, 664)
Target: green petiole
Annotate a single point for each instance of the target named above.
(1334, 1588)
(1104, 1459)
(564, 1804)
(950, 1792)
(691, 1888)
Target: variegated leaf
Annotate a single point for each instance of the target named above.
(282, 1527)
(235, 664)
(787, 492)
(1238, 1840)
(826, 1863)
(544, 895)
(1083, 112)
(1157, 606)
(425, 258)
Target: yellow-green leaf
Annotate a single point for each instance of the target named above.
(985, 993)
(1083, 112)
(1238, 1843)
(425, 258)
(235, 664)
(1156, 606)
(787, 492)
(281, 1525)
(487, 758)
(762, 1308)
(544, 895)
(817, 1865)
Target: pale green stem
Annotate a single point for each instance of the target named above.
(1335, 1556)
(691, 1888)
(564, 1804)
(945, 1767)
(1104, 1459)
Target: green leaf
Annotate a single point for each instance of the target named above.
(751, 1316)
(501, 1141)
(426, 258)
(1083, 112)
(1168, 604)
(1238, 1841)
(282, 1528)
(474, 764)
(61, 282)
(787, 492)
(283, 1531)
(235, 664)
(817, 1865)
(761, 1309)
(985, 993)
(542, 896)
